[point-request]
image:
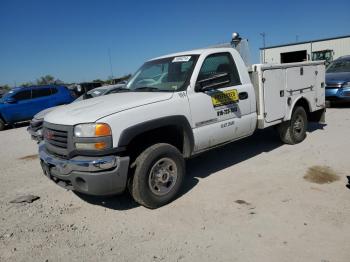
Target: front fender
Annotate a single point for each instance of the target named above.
(180, 121)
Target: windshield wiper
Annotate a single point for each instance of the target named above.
(146, 88)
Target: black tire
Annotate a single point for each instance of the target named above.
(2, 124)
(143, 187)
(294, 131)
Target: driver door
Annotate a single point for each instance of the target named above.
(218, 113)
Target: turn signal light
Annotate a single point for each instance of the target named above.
(102, 130)
(91, 146)
(100, 145)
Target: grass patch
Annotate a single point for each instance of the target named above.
(321, 175)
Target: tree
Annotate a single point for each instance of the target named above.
(46, 80)
(25, 84)
(59, 82)
(6, 87)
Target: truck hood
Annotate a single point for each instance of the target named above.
(88, 111)
(42, 114)
(338, 78)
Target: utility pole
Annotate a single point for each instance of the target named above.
(263, 34)
(110, 62)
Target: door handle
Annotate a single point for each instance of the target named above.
(243, 95)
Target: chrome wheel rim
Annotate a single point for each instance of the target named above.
(162, 177)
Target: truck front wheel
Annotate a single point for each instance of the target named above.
(159, 172)
(294, 131)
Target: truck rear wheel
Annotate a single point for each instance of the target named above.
(2, 124)
(294, 131)
(158, 175)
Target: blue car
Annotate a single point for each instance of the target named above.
(338, 80)
(22, 103)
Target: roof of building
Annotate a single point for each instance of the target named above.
(306, 42)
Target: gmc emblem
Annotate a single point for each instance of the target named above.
(48, 134)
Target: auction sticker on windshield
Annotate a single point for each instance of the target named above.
(181, 59)
(224, 98)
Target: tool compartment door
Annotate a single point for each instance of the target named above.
(274, 94)
(300, 79)
(320, 85)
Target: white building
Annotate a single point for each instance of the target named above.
(321, 49)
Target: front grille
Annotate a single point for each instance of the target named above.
(56, 137)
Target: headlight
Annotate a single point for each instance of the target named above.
(94, 136)
(92, 130)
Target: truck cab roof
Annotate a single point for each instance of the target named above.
(196, 52)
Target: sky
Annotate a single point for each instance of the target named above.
(72, 40)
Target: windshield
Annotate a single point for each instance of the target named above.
(339, 66)
(91, 94)
(163, 75)
(6, 95)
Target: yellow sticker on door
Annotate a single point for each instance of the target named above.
(223, 98)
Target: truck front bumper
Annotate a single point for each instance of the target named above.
(338, 94)
(98, 176)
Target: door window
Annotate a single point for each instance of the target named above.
(217, 64)
(53, 90)
(41, 92)
(23, 95)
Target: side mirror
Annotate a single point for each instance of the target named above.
(213, 82)
(10, 100)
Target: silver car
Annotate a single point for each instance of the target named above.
(36, 124)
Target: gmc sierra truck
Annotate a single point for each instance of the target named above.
(173, 108)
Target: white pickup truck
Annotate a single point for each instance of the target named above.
(173, 108)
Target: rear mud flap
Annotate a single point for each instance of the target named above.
(318, 116)
(323, 117)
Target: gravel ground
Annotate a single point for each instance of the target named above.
(248, 201)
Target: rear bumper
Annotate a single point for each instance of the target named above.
(338, 94)
(98, 176)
